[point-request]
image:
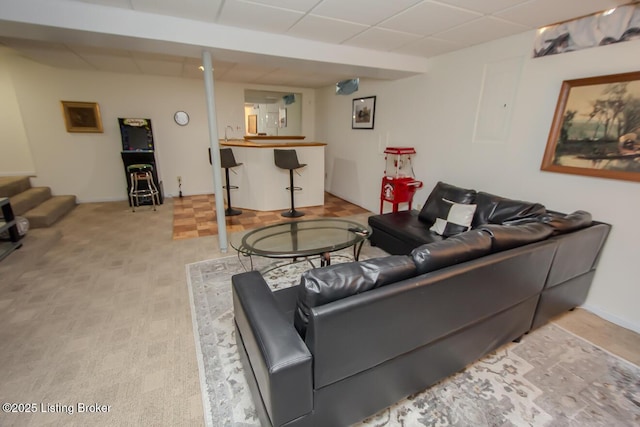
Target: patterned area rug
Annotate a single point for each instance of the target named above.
(551, 378)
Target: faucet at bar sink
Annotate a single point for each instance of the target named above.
(225, 132)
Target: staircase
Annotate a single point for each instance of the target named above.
(35, 203)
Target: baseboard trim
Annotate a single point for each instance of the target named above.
(30, 174)
(612, 318)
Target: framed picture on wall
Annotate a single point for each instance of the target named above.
(82, 116)
(596, 128)
(363, 113)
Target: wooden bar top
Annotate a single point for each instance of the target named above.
(269, 144)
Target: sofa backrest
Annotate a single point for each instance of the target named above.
(586, 242)
(320, 286)
(492, 209)
(356, 333)
(454, 250)
(562, 223)
(505, 237)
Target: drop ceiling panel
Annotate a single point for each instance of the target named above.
(368, 12)
(325, 29)
(51, 54)
(123, 4)
(480, 31)
(117, 61)
(257, 17)
(429, 18)
(299, 5)
(429, 46)
(382, 39)
(539, 13)
(316, 80)
(164, 65)
(484, 6)
(246, 73)
(200, 10)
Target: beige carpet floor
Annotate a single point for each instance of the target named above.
(95, 310)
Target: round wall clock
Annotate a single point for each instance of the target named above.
(181, 118)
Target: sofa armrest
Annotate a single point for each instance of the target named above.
(281, 362)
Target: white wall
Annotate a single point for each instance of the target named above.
(436, 113)
(89, 165)
(15, 155)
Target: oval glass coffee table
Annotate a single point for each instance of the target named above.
(303, 239)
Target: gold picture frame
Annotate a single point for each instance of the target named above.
(596, 128)
(82, 116)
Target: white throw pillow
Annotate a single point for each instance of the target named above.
(455, 218)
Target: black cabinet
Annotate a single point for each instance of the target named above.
(144, 157)
(8, 224)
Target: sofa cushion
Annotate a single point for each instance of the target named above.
(494, 209)
(454, 250)
(455, 218)
(323, 285)
(565, 223)
(434, 204)
(505, 237)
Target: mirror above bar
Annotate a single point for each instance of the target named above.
(271, 113)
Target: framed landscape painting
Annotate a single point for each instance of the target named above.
(596, 128)
(82, 116)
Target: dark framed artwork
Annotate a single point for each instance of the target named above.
(363, 113)
(82, 116)
(596, 128)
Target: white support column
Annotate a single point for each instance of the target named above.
(215, 149)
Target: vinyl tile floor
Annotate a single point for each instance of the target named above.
(195, 216)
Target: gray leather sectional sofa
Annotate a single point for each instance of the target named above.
(354, 338)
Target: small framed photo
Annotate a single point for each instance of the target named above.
(82, 116)
(363, 113)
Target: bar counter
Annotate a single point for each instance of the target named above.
(262, 185)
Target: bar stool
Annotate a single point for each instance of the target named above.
(140, 173)
(227, 161)
(288, 159)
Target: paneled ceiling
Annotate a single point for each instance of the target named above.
(383, 28)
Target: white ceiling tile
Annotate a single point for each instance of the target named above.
(325, 29)
(429, 46)
(480, 31)
(113, 60)
(368, 12)
(382, 39)
(484, 6)
(299, 5)
(540, 13)
(164, 65)
(428, 18)
(246, 72)
(201, 10)
(257, 17)
(316, 80)
(124, 4)
(52, 54)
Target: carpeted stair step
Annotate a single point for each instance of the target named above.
(29, 199)
(50, 211)
(12, 185)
